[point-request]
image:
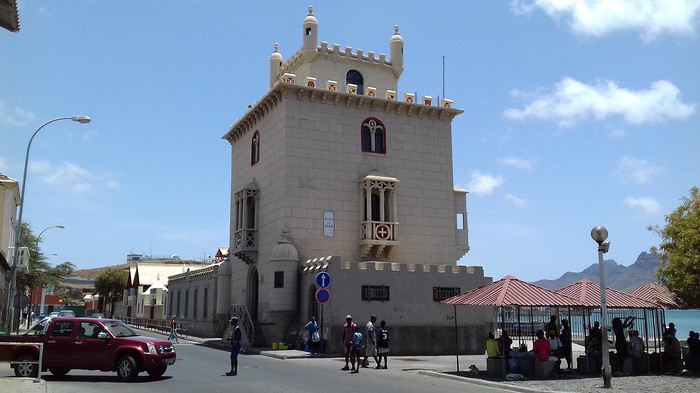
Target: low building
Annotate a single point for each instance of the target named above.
(9, 200)
(193, 300)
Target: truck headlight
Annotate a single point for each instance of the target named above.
(151, 348)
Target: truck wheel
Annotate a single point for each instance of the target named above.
(59, 372)
(157, 372)
(127, 369)
(25, 367)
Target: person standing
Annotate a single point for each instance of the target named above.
(355, 352)
(382, 344)
(314, 337)
(235, 346)
(565, 338)
(371, 341)
(173, 329)
(348, 330)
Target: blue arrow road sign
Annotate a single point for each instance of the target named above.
(323, 280)
(323, 296)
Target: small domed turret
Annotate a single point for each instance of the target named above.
(275, 64)
(396, 45)
(310, 33)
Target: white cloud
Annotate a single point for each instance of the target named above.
(71, 178)
(572, 101)
(14, 117)
(636, 170)
(515, 201)
(598, 18)
(517, 163)
(645, 205)
(483, 183)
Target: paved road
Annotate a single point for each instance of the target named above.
(200, 369)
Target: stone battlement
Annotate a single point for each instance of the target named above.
(319, 264)
(371, 92)
(347, 53)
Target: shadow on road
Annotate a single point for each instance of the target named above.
(102, 378)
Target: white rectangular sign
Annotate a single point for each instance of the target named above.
(328, 224)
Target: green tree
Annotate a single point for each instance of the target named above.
(41, 273)
(679, 250)
(110, 285)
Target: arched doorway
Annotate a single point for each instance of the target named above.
(313, 304)
(252, 293)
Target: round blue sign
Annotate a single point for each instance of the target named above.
(323, 280)
(323, 296)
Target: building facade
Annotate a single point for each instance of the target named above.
(333, 171)
(9, 201)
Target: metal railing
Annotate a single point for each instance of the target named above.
(158, 325)
(39, 363)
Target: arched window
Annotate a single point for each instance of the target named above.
(255, 149)
(373, 136)
(355, 78)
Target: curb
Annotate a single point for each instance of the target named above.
(284, 355)
(475, 381)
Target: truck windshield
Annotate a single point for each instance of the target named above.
(120, 329)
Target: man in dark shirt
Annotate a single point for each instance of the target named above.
(235, 346)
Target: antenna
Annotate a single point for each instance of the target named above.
(443, 77)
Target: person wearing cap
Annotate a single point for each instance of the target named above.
(371, 341)
(235, 346)
(349, 330)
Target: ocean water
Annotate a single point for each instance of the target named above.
(685, 321)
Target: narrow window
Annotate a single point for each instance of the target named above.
(187, 301)
(206, 299)
(279, 279)
(373, 136)
(355, 78)
(194, 311)
(255, 149)
(442, 293)
(308, 30)
(460, 220)
(177, 311)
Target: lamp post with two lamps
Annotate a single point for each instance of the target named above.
(18, 228)
(600, 235)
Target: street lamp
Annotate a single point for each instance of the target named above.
(600, 235)
(18, 229)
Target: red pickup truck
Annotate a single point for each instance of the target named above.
(88, 344)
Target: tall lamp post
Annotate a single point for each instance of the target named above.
(600, 235)
(18, 228)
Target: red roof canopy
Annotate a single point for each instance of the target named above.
(587, 293)
(509, 291)
(657, 294)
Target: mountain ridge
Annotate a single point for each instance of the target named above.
(617, 276)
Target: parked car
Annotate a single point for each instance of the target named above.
(97, 315)
(88, 344)
(66, 313)
(53, 314)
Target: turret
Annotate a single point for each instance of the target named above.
(310, 34)
(396, 45)
(275, 64)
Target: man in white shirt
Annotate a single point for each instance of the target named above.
(371, 341)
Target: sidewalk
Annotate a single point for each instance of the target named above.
(22, 385)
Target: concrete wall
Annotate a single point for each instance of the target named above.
(199, 324)
(418, 325)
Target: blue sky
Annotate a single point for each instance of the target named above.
(575, 115)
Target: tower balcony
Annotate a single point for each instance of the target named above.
(378, 239)
(245, 245)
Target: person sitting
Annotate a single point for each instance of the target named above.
(541, 347)
(504, 343)
(492, 350)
